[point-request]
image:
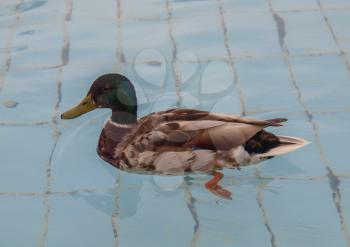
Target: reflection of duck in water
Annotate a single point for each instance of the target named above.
(177, 141)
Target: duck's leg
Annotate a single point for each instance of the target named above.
(213, 187)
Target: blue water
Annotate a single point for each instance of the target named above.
(260, 58)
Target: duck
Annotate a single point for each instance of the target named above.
(178, 141)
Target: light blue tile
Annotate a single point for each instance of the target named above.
(36, 94)
(323, 81)
(231, 6)
(76, 164)
(150, 70)
(294, 5)
(345, 195)
(216, 81)
(75, 221)
(89, 10)
(184, 9)
(22, 220)
(136, 38)
(31, 31)
(267, 85)
(165, 217)
(252, 34)
(144, 9)
(307, 33)
(32, 53)
(92, 43)
(187, 31)
(335, 4)
(230, 223)
(303, 213)
(338, 20)
(24, 157)
(334, 134)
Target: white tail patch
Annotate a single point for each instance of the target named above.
(242, 157)
(288, 144)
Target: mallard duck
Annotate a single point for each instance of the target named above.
(178, 141)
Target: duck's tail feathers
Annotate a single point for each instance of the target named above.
(287, 144)
(276, 121)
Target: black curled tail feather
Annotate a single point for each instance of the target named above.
(261, 142)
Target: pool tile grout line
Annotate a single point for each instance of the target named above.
(116, 210)
(231, 62)
(119, 51)
(55, 114)
(78, 191)
(190, 202)
(174, 58)
(9, 44)
(260, 201)
(232, 12)
(333, 180)
(16, 124)
(342, 52)
(202, 60)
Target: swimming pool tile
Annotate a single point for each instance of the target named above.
(345, 197)
(231, 223)
(22, 167)
(77, 221)
(32, 52)
(92, 10)
(136, 38)
(232, 6)
(335, 4)
(294, 5)
(144, 9)
(21, 220)
(30, 89)
(92, 42)
(76, 164)
(184, 9)
(188, 30)
(307, 33)
(165, 217)
(338, 21)
(252, 34)
(302, 213)
(328, 75)
(267, 85)
(31, 31)
(216, 82)
(334, 133)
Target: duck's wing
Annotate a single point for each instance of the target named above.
(193, 114)
(203, 134)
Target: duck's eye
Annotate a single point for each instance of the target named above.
(106, 89)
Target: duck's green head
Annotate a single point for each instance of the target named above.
(112, 91)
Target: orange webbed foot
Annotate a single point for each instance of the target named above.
(213, 187)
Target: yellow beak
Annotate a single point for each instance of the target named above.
(84, 106)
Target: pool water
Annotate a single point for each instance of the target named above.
(260, 58)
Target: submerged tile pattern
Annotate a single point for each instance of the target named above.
(263, 59)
